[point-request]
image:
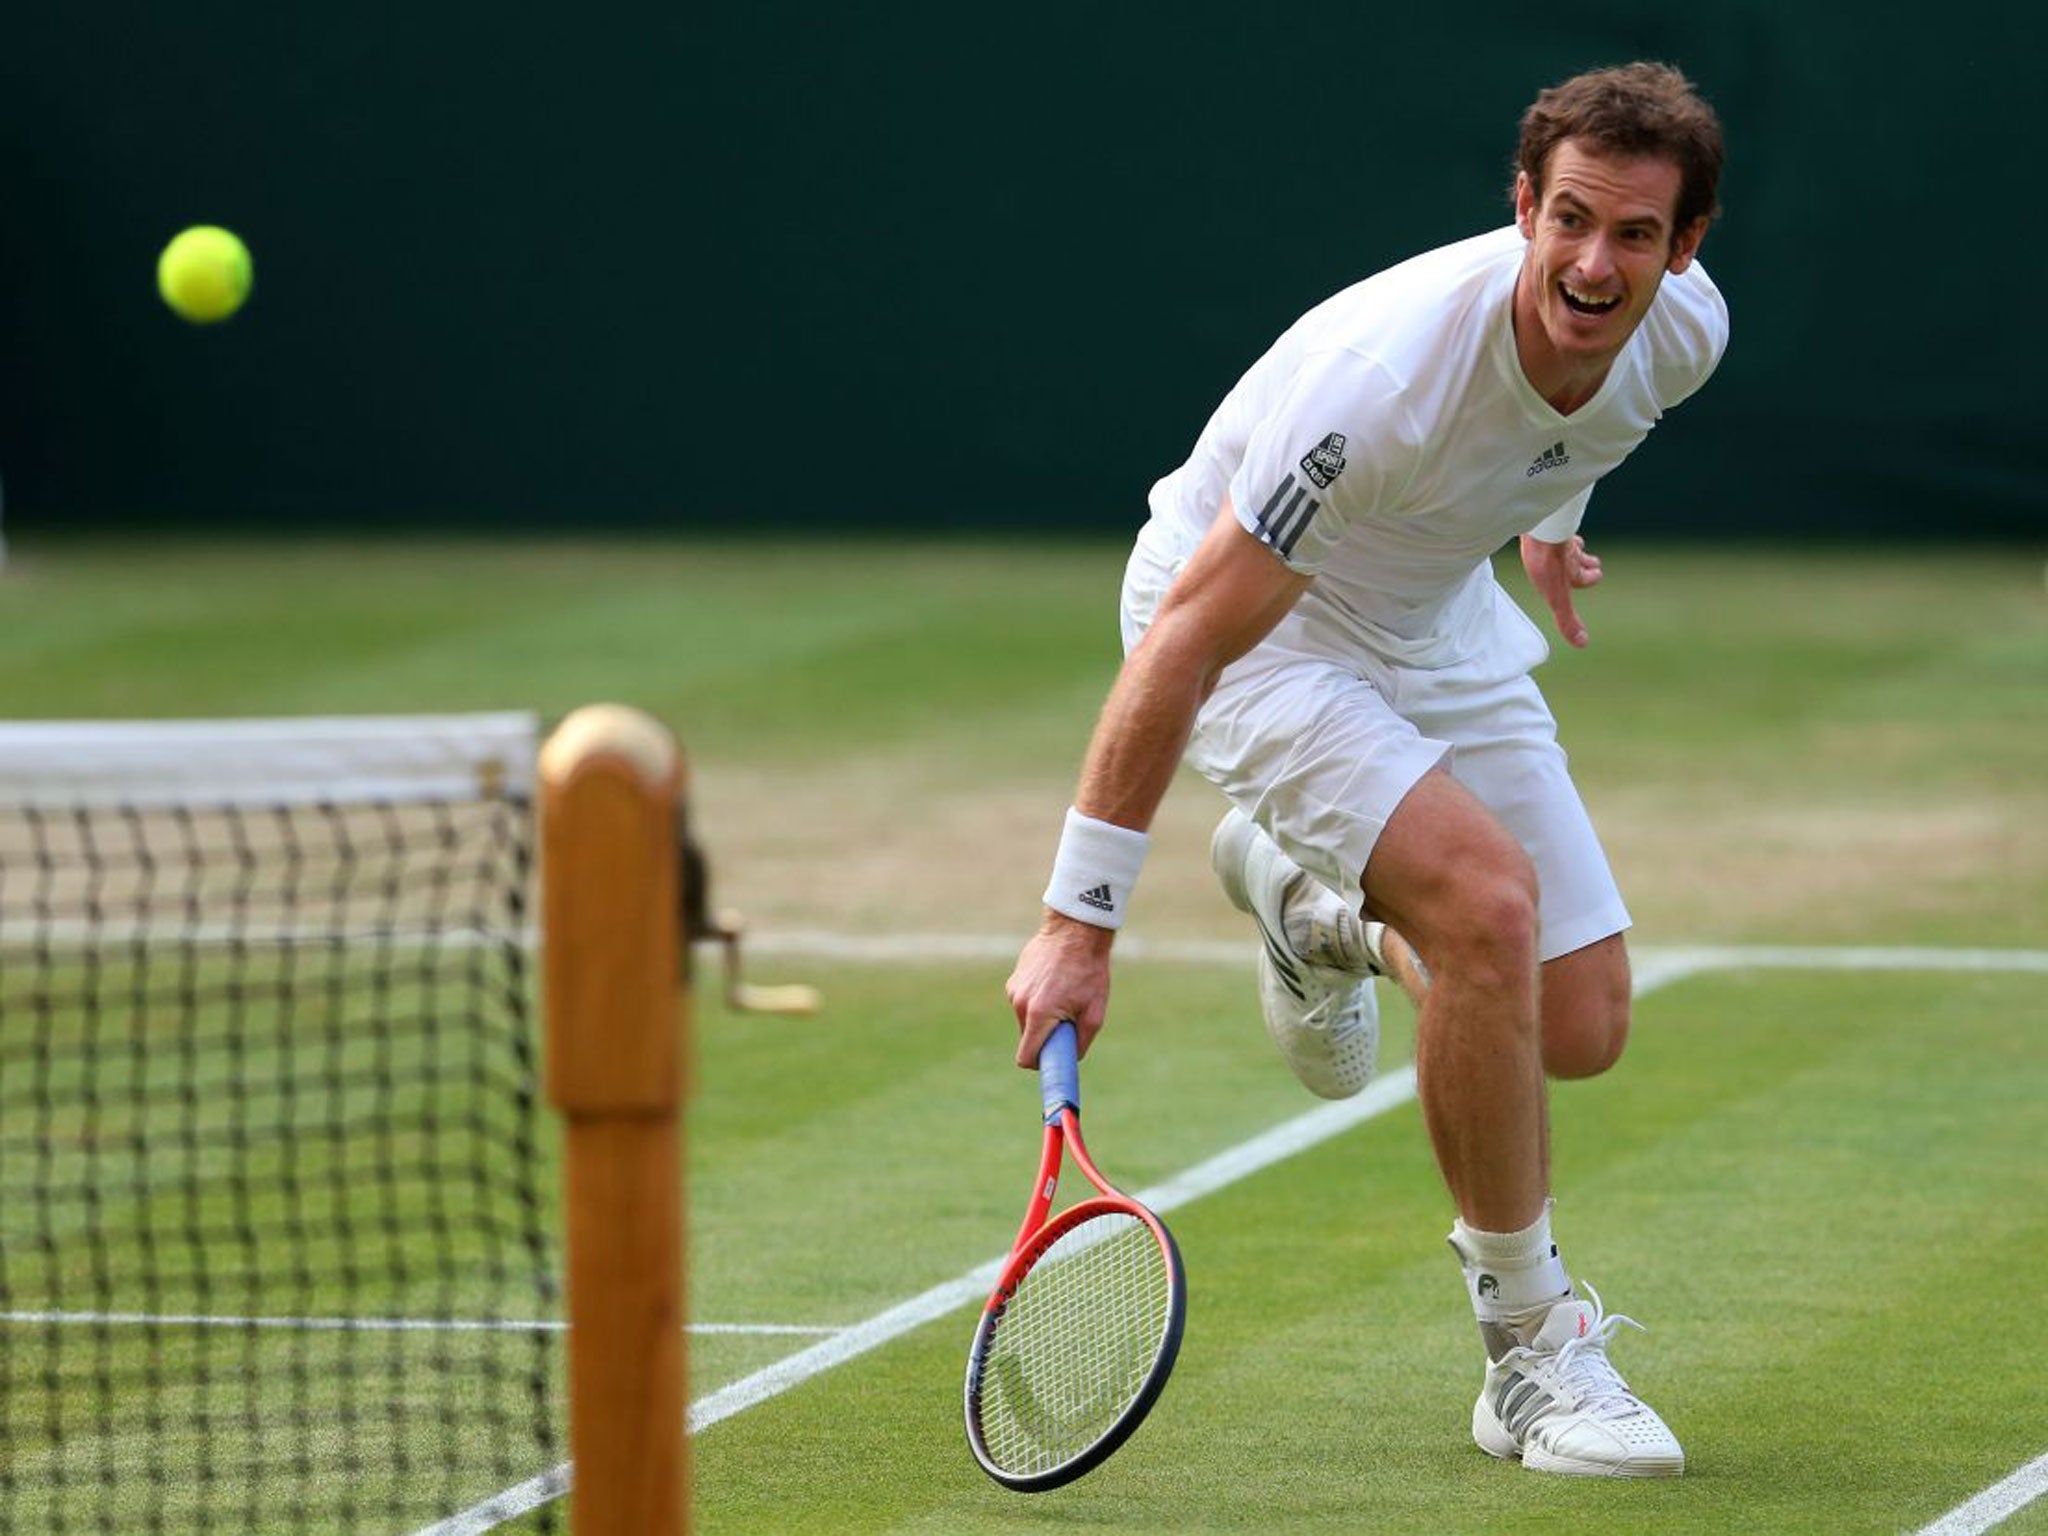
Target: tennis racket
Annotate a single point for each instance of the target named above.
(1079, 1335)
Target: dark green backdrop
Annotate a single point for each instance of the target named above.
(916, 265)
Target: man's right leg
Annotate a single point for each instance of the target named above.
(1316, 960)
(1314, 760)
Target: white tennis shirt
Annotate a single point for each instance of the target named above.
(1389, 443)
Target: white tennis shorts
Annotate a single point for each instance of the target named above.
(1319, 750)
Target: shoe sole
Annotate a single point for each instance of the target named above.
(1307, 1052)
(1543, 1461)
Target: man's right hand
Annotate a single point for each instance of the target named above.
(1063, 973)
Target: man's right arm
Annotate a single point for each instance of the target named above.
(1231, 593)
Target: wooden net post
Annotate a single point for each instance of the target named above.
(616, 1038)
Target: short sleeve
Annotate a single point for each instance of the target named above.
(1689, 332)
(1336, 445)
(1564, 522)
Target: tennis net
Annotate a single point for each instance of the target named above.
(276, 1195)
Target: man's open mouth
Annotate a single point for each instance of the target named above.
(1587, 303)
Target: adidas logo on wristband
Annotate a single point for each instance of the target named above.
(1095, 870)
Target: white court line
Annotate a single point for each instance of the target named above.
(1650, 959)
(1671, 963)
(1654, 967)
(2000, 1502)
(1241, 1161)
(509, 1505)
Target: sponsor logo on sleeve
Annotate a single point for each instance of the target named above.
(1325, 462)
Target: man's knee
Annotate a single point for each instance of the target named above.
(1586, 1010)
(1496, 923)
(1455, 884)
(1584, 1045)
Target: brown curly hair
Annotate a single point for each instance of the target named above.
(1633, 111)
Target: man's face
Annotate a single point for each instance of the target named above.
(1600, 243)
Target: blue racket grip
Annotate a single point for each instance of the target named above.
(1059, 1070)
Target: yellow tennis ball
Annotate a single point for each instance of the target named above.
(205, 273)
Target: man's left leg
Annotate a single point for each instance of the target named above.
(1584, 999)
(1585, 1008)
(1550, 1395)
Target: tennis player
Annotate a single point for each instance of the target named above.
(1310, 616)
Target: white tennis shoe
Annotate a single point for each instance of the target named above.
(1317, 959)
(1558, 1404)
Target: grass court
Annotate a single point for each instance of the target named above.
(1816, 1175)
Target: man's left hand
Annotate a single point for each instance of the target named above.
(1557, 571)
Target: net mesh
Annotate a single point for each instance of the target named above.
(1075, 1344)
(273, 1235)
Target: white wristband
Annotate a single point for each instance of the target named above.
(1095, 869)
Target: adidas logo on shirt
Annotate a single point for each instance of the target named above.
(1098, 898)
(1553, 457)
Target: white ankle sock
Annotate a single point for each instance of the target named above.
(1513, 1278)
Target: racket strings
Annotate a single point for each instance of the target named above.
(1075, 1345)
